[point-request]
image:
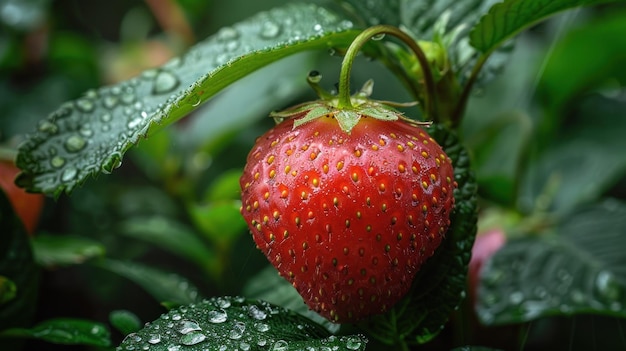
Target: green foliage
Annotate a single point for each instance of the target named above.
(165, 287)
(509, 17)
(236, 323)
(125, 321)
(66, 331)
(56, 250)
(90, 135)
(579, 267)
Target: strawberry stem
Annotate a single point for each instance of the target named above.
(375, 31)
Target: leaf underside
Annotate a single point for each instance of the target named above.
(90, 135)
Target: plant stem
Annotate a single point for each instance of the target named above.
(360, 40)
(459, 109)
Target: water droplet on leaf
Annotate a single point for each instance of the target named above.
(261, 327)
(280, 345)
(270, 30)
(84, 105)
(48, 127)
(192, 338)
(154, 339)
(75, 143)
(187, 326)
(164, 82)
(69, 174)
(256, 313)
(57, 162)
(237, 331)
(112, 162)
(217, 316)
(353, 343)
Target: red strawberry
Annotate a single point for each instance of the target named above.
(347, 217)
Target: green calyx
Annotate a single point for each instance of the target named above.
(349, 109)
(347, 116)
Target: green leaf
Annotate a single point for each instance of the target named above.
(220, 222)
(61, 250)
(268, 285)
(374, 12)
(163, 286)
(510, 17)
(171, 236)
(564, 80)
(581, 162)
(439, 286)
(90, 135)
(125, 321)
(228, 323)
(8, 290)
(450, 20)
(580, 268)
(225, 187)
(18, 270)
(66, 331)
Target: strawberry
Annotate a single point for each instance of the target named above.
(347, 204)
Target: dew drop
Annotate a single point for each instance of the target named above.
(380, 36)
(57, 162)
(110, 101)
(106, 117)
(516, 297)
(227, 34)
(84, 105)
(112, 162)
(75, 143)
(133, 123)
(244, 346)
(237, 331)
(353, 343)
(69, 174)
(149, 74)
(48, 127)
(606, 286)
(217, 316)
(280, 345)
(154, 339)
(256, 313)
(128, 97)
(223, 303)
(164, 83)
(176, 317)
(86, 132)
(318, 27)
(187, 326)
(192, 338)
(261, 342)
(270, 30)
(261, 327)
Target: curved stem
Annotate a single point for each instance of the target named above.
(360, 40)
(462, 102)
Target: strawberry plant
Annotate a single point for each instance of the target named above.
(183, 218)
